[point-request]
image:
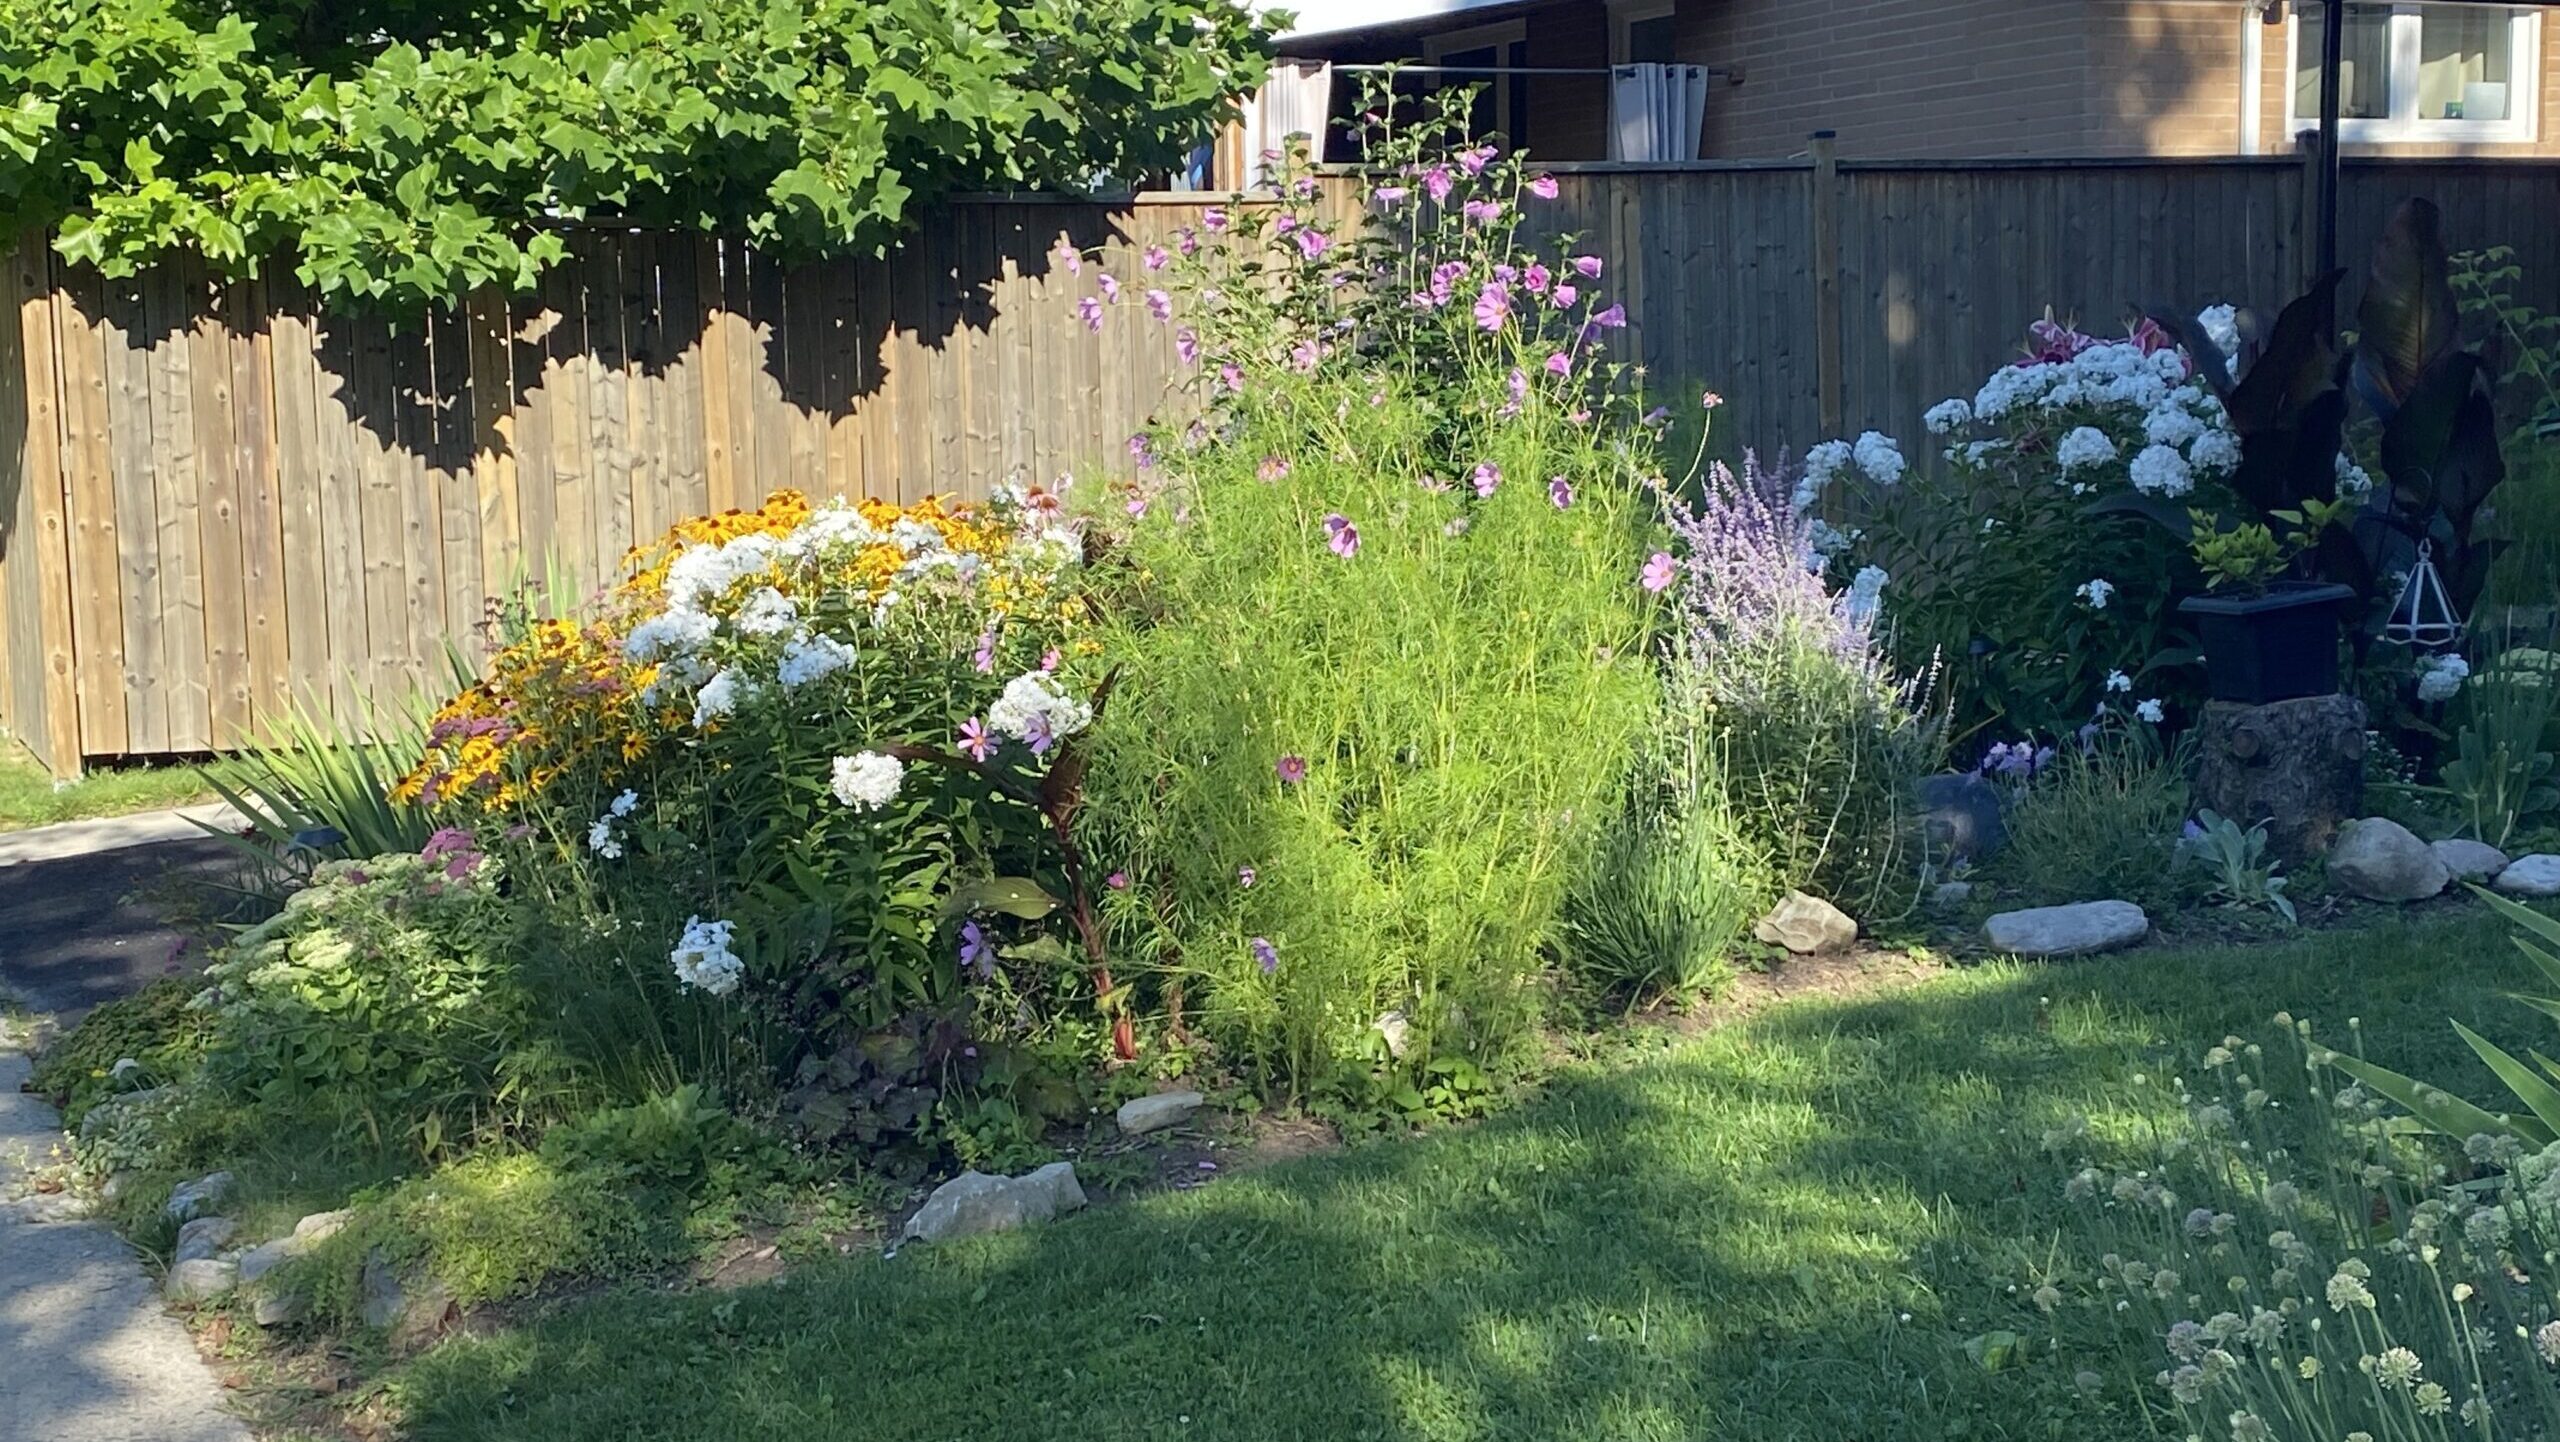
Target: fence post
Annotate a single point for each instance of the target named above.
(44, 546)
(1826, 277)
(2306, 227)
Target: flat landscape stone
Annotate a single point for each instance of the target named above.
(204, 1236)
(976, 1202)
(1806, 925)
(2535, 875)
(1140, 1115)
(2469, 860)
(2073, 930)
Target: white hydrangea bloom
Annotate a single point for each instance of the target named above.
(868, 781)
(676, 631)
(1947, 416)
(719, 696)
(1031, 696)
(807, 656)
(2222, 324)
(2169, 366)
(2096, 591)
(2083, 447)
(2171, 424)
(766, 612)
(1866, 593)
(2215, 452)
(2161, 471)
(1880, 456)
(2440, 677)
(702, 958)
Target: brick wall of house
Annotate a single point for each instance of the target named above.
(2165, 77)
(1571, 112)
(1894, 78)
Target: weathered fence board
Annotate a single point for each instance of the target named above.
(221, 500)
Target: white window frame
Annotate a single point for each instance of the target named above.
(1500, 36)
(2403, 124)
(1623, 14)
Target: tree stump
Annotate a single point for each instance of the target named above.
(2297, 766)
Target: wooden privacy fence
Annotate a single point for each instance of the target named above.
(220, 498)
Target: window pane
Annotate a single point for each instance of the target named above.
(2364, 76)
(1649, 41)
(2462, 63)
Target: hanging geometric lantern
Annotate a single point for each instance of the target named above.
(2424, 615)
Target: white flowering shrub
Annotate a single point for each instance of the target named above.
(2024, 563)
(2292, 1267)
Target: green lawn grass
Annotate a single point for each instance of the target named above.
(1781, 1229)
(29, 797)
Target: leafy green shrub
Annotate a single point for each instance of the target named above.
(1672, 887)
(154, 1028)
(413, 153)
(2237, 870)
(2499, 782)
(2101, 818)
(375, 1008)
(1380, 648)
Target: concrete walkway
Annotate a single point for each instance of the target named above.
(86, 1353)
(69, 937)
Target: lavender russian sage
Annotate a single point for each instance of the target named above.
(1749, 575)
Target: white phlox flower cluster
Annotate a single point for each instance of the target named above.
(2083, 447)
(2161, 471)
(1032, 704)
(808, 656)
(603, 837)
(868, 781)
(702, 958)
(2440, 678)
(1866, 594)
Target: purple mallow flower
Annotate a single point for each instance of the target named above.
(1543, 186)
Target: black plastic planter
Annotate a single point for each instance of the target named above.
(2275, 646)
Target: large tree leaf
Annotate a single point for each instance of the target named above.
(2407, 319)
(2296, 368)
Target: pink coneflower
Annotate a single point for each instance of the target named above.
(1488, 479)
(1342, 536)
(1186, 344)
(1659, 572)
(1587, 266)
(975, 740)
(1273, 468)
(1154, 257)
(1292, 769)
(1543, 186)
(1160, 305)
(1068, 257)
(1560, 491)
(1089, 310)
(1493, 305)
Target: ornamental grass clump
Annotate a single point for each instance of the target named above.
(1380, 640)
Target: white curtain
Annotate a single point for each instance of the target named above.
(1656, 112)
(1296, 100)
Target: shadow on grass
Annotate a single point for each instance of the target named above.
(1782, 1230)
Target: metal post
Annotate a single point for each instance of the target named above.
(2333, 40)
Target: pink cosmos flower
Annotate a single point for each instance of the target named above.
(1659, 572)
(1154, 258)
(1493, 305)
(1109, 285)
(975, 740)
(1709, 401)
(1160, 305)
(1304, 355)
(1587, 266)
(1068, 257)
(1488, 478)
(1049, 660)
(1246, 877)
(1481, 212)
(1292, 769)
(1543, 187)
(1273, 468)
(1341, 536)
(1231, 376)
(1560, 491)
(1436, 485)
(985, 660)
(1186, 344)
(1089, 310)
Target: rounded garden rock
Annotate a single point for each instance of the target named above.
(307, 1233)
(2073, 930)
(1806, 925)
(201, 1279)
(2469, 860)
(2535, 875)
(975, 1202)
(204, 1237)
(2381, 860)
(199, 1197)
(1154, 1113)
